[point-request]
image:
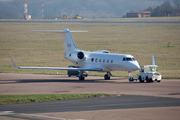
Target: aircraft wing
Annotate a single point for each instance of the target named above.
(57, 68)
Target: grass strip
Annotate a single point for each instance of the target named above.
(14, 99)
(47, 49)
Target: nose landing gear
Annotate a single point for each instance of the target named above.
(131, 79)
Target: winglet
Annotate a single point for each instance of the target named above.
(154, 61)
(13, 63)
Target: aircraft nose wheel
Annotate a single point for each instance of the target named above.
(130, 77)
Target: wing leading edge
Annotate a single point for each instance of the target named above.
(57, 68)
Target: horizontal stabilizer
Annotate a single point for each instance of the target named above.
(56, 31)
(68, 41)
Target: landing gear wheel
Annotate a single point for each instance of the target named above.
(131, 79)
(81, 77)
(106, 77)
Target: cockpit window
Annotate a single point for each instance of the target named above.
(134, 59)
(129, 59)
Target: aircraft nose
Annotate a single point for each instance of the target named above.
(135, 66)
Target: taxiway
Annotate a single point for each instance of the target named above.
(96, 22)
(160, 100)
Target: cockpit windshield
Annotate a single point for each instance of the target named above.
(129, 59)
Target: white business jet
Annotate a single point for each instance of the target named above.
(101, 60)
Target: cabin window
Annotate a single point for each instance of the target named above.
(96, 60)
(111, 61)
(99, 60)
(104, 61)
(92, 59)
(107, 61)
(124, 59)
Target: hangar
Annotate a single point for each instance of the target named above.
(134, 14)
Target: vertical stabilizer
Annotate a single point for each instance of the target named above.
(69, 44)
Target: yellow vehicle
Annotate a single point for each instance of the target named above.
(66, 17)
(77, 17)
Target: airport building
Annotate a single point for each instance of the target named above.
(138, 14)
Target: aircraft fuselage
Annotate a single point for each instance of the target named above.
(106, 61)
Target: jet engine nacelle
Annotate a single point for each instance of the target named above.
(75, 56)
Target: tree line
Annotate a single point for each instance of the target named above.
(165, 9)
(13, 9)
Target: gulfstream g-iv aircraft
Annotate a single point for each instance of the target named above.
(101, 60)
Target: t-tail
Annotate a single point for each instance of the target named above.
(69, 44)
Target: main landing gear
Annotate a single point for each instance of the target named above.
(107, 76)
(81, 77)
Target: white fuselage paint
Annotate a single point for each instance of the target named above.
(100, 60)
(108, 62)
